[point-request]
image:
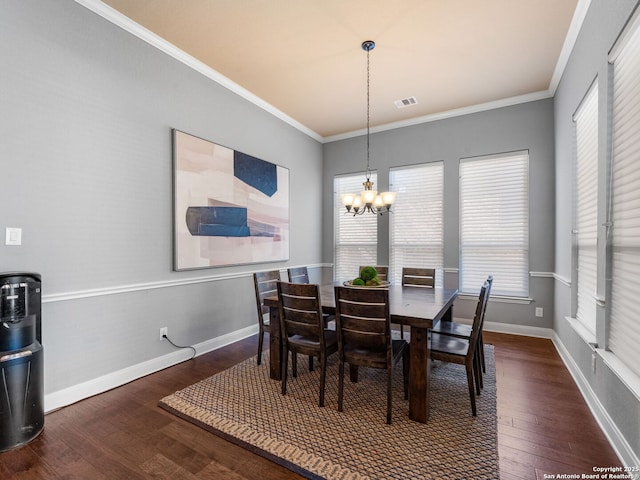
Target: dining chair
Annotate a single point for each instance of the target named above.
(383, 272)
(265, 284)
(464, 351)
(463, 330)
(417, 277)
(303, 329)
(298, 275)
(301, 275)
(364, 337)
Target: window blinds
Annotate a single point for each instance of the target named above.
(624, 326)
(494, 223)
(416, 225)
(586, 203)
(356, 238)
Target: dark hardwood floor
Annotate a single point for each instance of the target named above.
(544, 426)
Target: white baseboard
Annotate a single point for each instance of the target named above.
(524, 330)
(622, 448)
(68, 396)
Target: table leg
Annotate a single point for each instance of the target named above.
(353, 373)
(419, 365)
(448, 315)
(275, 344)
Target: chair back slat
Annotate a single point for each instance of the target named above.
(298, 275)
(418, 277)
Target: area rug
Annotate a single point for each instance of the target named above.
(245, 406)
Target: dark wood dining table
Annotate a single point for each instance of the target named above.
(419, 308)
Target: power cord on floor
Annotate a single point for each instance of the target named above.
(180, 346)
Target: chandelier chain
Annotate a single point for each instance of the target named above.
(368, 173)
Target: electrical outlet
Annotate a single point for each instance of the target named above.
(164, 331)
(539, 312)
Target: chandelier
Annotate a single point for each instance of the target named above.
(368, 200)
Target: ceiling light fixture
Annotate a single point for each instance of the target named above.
(368, 200)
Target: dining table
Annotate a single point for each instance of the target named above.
(418, 308)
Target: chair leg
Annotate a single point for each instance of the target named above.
(294, 364)
(477, 375)
(285, 362)
(470, 382)
(260, 340)
(405, 372)
(389, 392)
(311, 363)
(340, 384)
(323, 370)
(478, 366)
(481, 343)
(402, 331)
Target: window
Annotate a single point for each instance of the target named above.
(494, 223)
(416, 227)
(356, 237)
(586, 207)
(624, 236)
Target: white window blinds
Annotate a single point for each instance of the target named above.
(494, 223)
(624, 324)
(586, 207)
(416, 226)
(356, 237)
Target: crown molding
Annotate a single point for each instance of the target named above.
(570, 40)
(481, 107)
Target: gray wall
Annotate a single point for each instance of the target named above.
(604, 22)
(526, 126)
(86, 171)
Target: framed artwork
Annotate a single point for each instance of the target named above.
(229, 208)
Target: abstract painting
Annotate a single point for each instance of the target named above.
(229, 208)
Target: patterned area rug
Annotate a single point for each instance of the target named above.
(244, 405)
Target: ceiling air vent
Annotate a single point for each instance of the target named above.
(406, 102)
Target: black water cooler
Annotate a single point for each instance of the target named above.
(21, 362)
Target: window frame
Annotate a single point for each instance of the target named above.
(428, 200)
(585, 181)
(621, 349)
(470, 278)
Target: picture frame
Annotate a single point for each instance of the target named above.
(229, 208)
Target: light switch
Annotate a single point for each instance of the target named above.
(14, 236)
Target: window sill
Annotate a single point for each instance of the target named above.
(582, 331)
(628, 377)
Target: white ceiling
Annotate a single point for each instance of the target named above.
(304, 59)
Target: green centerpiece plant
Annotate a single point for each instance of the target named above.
(368, 277)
